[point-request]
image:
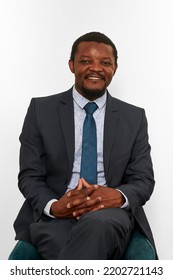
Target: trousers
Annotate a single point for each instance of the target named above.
(97, 235)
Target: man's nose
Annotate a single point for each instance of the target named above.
(96, 66)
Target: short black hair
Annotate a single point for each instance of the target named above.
(95, 37)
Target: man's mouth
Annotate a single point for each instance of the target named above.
(94, 77)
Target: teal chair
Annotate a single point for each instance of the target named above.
(139, 248)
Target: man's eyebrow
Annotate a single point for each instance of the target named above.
(83, 55)
(105, 57)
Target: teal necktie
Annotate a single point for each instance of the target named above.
(89, 146)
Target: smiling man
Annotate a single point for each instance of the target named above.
(94, 66)
(85, 165)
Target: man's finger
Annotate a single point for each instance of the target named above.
(84, 202)
(80, 212)
(85, 183)
(89, 191)
(79, 186)
(87, 203)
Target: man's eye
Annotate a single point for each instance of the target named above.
(106, 63)
(85, 61)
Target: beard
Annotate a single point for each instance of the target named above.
(92, 94)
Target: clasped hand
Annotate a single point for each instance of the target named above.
(85, 198)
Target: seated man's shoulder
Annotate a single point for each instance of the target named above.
(51, 98)
(127, 106)
(129, 111)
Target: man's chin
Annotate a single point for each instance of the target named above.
(92, 94)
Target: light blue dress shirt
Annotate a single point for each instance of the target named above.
(79, 116)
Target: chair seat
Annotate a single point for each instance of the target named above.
(24, 251)
(139, 248)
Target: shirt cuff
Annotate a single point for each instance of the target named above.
(47, 208)
(126, 204)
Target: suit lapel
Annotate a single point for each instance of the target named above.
(66, 113)
(110, 128)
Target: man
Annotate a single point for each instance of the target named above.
(78, 205)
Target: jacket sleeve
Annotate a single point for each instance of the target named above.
(32, 175)
(138, 180)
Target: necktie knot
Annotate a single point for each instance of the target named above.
(90, 107)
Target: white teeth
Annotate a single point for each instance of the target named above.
(94, 78)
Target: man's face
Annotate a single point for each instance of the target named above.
(94, 67)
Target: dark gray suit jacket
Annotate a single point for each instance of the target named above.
(47, 154)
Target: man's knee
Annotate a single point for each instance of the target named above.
(106, 219)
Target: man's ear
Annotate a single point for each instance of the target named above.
(116, 67)
(71, 65)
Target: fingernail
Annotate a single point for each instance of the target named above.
(74, 214)
(68, 205)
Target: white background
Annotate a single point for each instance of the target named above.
(35, 43)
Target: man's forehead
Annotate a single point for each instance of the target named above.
(87, 46)
(93, 43)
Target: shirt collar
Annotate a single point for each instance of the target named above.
(82, 101)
